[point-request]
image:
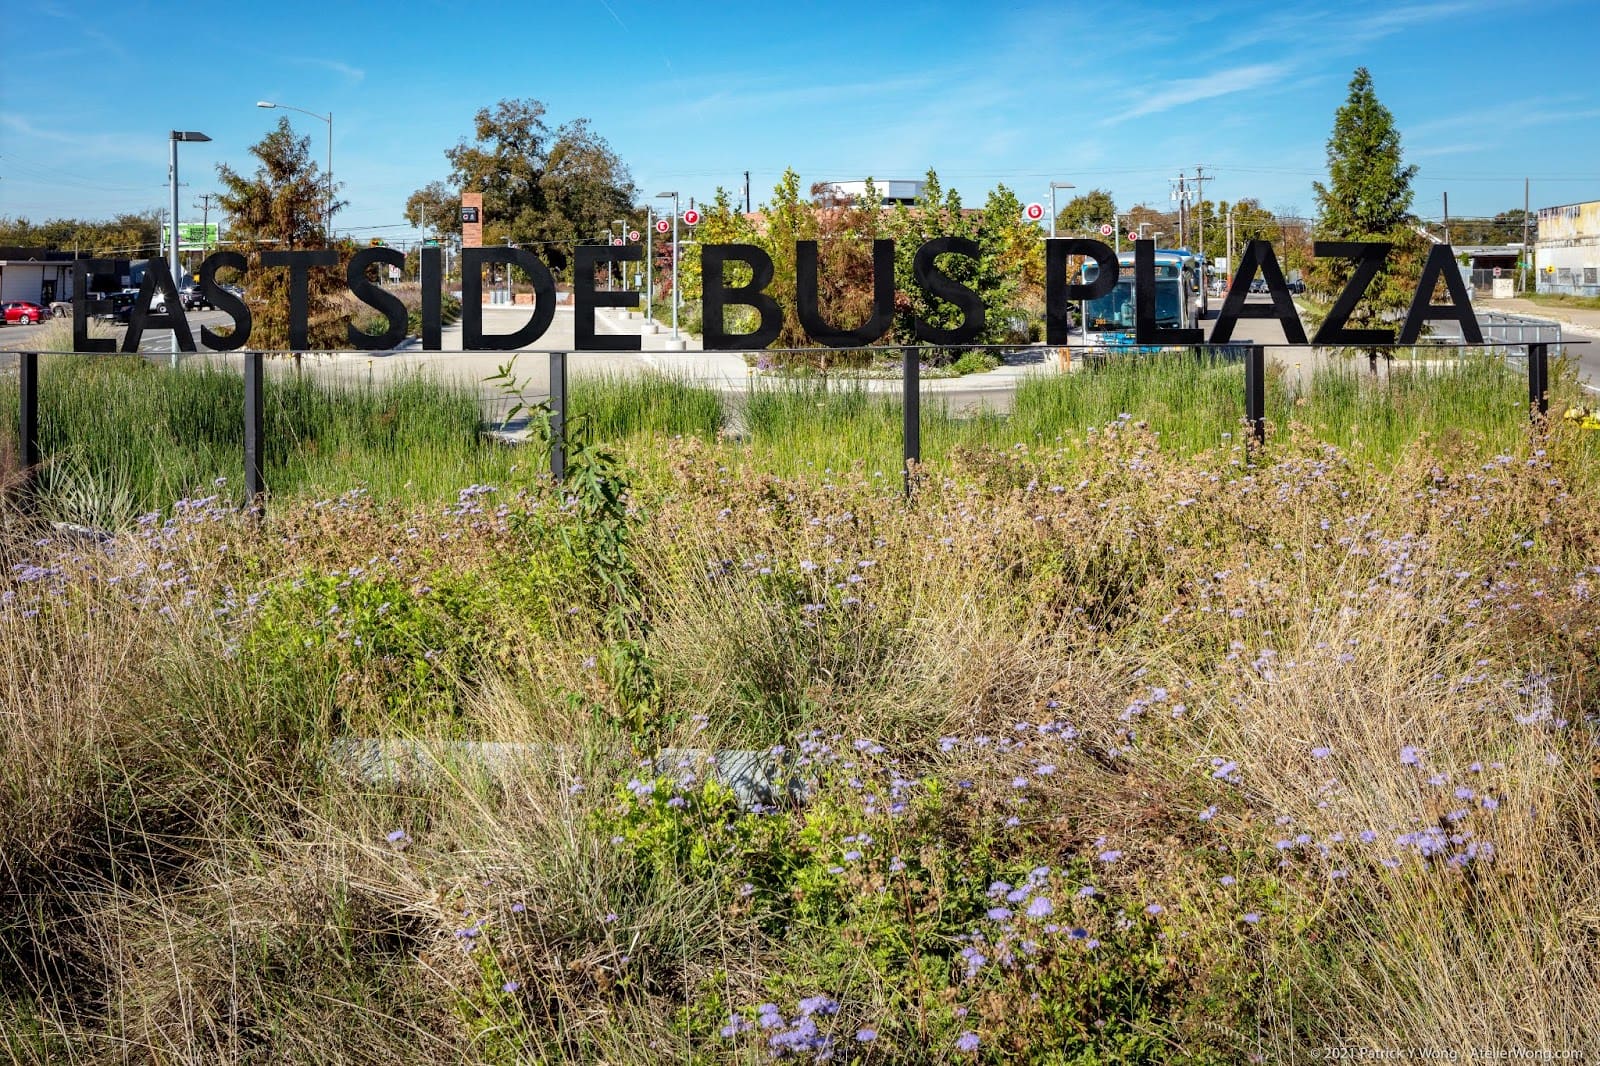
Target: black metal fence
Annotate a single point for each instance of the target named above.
(1252, 355)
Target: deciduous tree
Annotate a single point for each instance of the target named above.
(1084, 215)
(435, 208)
(548, 190)
(1011, 273)
(127, 236)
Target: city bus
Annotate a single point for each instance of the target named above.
(1108, 319)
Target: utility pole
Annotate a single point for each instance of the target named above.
(746, 192)
(1232, 265)
(205, 221)
(1200, 240)
(1524, 271)
(1183, 193)
(423, 243)
(1447, 218)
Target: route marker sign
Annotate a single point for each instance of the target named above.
(1105, 230)
(633, 235)
(690, 217)
(1033, 212)
(662, 225)
(1133, 235)
(616, 241)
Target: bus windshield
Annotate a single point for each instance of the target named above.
(1114, 310)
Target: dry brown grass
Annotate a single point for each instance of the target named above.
(183, 877)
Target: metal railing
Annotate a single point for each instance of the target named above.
(1253, 356)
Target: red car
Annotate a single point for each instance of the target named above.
(24, 312)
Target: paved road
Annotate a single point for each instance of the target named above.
(50, 333)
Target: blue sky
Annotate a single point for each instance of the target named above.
(1121, 96)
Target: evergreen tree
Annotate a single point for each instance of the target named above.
(1367, 198)
(283, 207)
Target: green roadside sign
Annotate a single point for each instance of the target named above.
(192, 236)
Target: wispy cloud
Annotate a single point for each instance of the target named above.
(1370, 26)
(1448, 149)
(1314, 32)
(1506, 117)
(343, 69)
(757, 99)
(1192, 90)
(124, 146)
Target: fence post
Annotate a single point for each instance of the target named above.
(910, 412)
(255, 484)
(1255, 391)
(28, 410)
(1538, 379)
(558, 415)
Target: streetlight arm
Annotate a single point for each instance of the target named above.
(290, 107)
(328, 118)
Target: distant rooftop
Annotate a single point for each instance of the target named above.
(890, 193)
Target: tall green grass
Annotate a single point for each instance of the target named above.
(1378, 416)
(120, 434)
(1193, 404)
(618, 407)
(124, 436)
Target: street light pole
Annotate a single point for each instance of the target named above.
(172, 222)
(673, 196)
(1054, 185)
(649, 271)
(328, 118)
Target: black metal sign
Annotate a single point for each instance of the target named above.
(1060, 292)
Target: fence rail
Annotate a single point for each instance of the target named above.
(1534, 344)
